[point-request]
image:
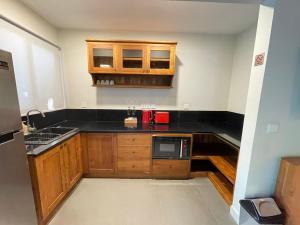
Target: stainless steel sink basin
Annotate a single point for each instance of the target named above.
(56, 130)
(40, 138)
(47, 135)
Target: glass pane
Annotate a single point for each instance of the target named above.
(103, 57)
(167, 147)
(160, 59)
(132, 53)
(132, 58)
(160, 54)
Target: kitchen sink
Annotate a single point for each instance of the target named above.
(40, 138)
(56, 130)
(47, 135)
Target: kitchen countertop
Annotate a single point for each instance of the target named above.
(228, 133)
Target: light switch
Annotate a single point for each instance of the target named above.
(272, 128)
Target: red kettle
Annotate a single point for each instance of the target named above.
(147, 116)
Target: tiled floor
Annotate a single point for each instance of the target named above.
(144, 202)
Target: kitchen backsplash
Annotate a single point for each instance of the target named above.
(229, 118)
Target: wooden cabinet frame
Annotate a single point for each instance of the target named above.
(95, 69)
(171, 70)
(143, 77)
(122, 47)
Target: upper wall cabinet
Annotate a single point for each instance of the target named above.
(148, 64)
(102, 57)
(161, 59)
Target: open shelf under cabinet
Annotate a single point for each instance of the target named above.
(132, 81)
(216, 158)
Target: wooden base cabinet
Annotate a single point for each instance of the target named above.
(288, 189)
(163, 168)
(53, 174)
(127, 155)
(134, 154)
(99, 155)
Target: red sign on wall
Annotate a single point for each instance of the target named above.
(259, 59)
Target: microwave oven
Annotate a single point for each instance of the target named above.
(164, 147)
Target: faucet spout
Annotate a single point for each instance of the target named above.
(32, 128)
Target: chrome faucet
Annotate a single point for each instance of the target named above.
(32, 128)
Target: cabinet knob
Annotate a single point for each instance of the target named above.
(133, 152)
(133, 139)
(170, 167)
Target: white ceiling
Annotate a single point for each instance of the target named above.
(148, 15)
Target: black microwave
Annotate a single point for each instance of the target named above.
(164, 147)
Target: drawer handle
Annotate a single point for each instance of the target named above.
(170, 167)
(133, 139)
(133, 166)
(133, 152)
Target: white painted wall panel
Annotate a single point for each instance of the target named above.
(204, 66)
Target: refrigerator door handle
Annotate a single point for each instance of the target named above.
(8, 137)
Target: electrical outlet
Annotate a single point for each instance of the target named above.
(84, 104)
(186, 106)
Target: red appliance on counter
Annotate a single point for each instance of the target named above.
(147, 116)
(162, 117)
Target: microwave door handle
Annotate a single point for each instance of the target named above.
(181, 146)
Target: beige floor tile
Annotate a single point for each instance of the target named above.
(143, 202)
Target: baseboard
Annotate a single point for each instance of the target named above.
(235, 214)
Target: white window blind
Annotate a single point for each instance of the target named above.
(37, 69)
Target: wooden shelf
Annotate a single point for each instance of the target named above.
(224, 187)
(132, 86)
(226, 166)
(132, 59)
(199, 174)
(160, 60)
(200, 157)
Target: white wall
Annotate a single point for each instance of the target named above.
(204, 65)
(278, 104)
(261, 45)
(241, 70)
(263, 33)
(19, 13)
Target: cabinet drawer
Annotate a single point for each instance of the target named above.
(134, 139)
(134, 152)
(171, 168)
(134, 166)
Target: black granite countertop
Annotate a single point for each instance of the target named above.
(224, 130)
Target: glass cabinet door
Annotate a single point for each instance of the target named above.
(162, 59)
(102, 58)
(133, 58)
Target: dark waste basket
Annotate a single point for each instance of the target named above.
(260, 211)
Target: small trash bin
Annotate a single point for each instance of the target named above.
(260, 211)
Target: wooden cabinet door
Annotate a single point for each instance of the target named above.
(100, 153)
(50, 174)
(73, 160)
(132, 59)
(161, 59)
(102, 57)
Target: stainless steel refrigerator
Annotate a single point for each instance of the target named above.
(16, 197)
